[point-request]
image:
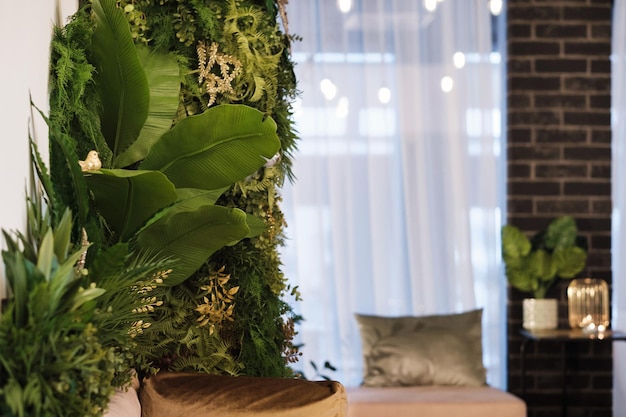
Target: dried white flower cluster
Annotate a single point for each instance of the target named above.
(229, 68)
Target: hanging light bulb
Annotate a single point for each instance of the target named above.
(344, 5)
(446, 84)
(384, 95)
(459, 59)
(495, 7)
(329, 89)
(430, 5)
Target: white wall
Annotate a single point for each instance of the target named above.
(25, 32)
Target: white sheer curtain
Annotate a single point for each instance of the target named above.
(618, 110)
(397, 205)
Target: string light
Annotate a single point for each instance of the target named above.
(384, 95)
(495, 6)
(459, 59)
(430, 5)
(344, 5)
(329, 89)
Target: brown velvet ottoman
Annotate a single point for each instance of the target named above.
(201, 395)
(433, 401)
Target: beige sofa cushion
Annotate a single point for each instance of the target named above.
(433, 401)
(201, 395)
(422, 350)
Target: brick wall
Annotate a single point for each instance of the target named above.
(559, 156)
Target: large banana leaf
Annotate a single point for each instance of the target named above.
(128, 198)
(164, 80)
(256, 225)
(194, 198)
(190, 232)
(209, 196)
(123, 85)
(217, 148)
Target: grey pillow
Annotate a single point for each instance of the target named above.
(427, 350)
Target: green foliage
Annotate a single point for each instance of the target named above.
(534, 265)
(134, 291)
(164, 82)
(176, 342)
(74, 100)
(122, 83)
(51, 360)
(128, 198)
(190, 232)
(247, 38)
(258, 341)
(222, 145)
(208, 151)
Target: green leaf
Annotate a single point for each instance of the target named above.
(128, 198)
(109, 262)
(209, 196)
(215, 149)
(78, 188)
(164, 80)
(561, 233)
(85, 296)
(60, 281)
(122, 82)
(521, 279)
(256, 225)
(42, 173)
(16, 274)
(190, 232)
(541, 264)
(515, 244)
(45, 257)
(62, 236)
(569, 261)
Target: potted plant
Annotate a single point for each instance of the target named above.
(534, 265)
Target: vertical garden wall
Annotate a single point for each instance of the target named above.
(225, 52)
(154, 229)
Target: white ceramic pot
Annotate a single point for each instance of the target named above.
(540, 313)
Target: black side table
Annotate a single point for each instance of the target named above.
(562, 336)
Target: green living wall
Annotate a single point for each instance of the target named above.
(227, 52)
(154, 229)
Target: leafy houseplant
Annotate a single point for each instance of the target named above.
(52, 362)
(68, 334)
(534, 265)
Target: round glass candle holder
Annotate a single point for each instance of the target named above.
(588, 304)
